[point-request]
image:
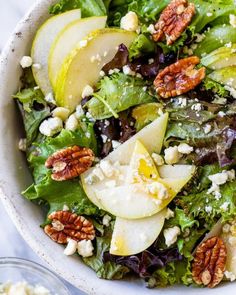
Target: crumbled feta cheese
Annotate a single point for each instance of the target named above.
(224, 207)
(172, 155)
(71, 247)
(130, 22)
(51, 126)
(98, 173)
(221, 114)
(196, 107)
(115, 144)
(60, 112)
(107, 168)
(182, 101)
(228, 45)
(158, 189)
(22, 145)
(151, 61)
(207, 128)
(71, 123)
(104, 138)
(79, 112)
(50, 98)
(169, 214)
(184, 148)
(22, 288)
(232, 20)
(37, 66)
(219, 178)
(230, 276)
(102, 74)
(90, 117)
(209, 14)
(85, 248)
(151, 29)
(127, 71)
(226, 228)
(26, 62)
(208, 209)
(199, 37)
(171, 235)
(158, 159)
(106, 220)
(87, 91)
(65, 208)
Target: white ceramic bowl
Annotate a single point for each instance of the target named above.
(14, 177)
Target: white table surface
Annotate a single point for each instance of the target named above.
(12, 245)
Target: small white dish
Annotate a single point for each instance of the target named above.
(15, 177)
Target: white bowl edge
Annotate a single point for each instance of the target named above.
(26, 216)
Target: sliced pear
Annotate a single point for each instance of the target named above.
(131, 237)
(220, 58)
(132, 201)
(42, 43)
(175, 171)
(68, 39)
(82, 67)
(225, 76)
(142, 166)
(152, 137)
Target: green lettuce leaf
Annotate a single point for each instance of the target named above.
(57, 194)
(217, 88)
(34, 110)
(174, 273)
(108, 270)
(141, 45)
(117, 93)
(88, 7)
(196, 204)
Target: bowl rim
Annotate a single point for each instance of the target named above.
(16, 261)
(88, 286)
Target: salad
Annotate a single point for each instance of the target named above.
(130, 126)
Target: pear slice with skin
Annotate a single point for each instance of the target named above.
(131, 237)
(83, 66)
(132, 201)
(42, 43)
(152, 137)
(68, 39)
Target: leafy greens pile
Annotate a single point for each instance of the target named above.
(123, 105)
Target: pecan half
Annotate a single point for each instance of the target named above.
(179, 77)
(174, 19)
(209, 262)
(67, 225)
(70, 162)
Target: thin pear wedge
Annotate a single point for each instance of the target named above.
(82, 67)
(68, 39)
(42, 43)
(131, 237)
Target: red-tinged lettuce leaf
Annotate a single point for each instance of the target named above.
(121, 59)
(145, 263)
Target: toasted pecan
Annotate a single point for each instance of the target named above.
(70, 162)
(179, 77)
(173, 21)
(67, 225)
(209, 262)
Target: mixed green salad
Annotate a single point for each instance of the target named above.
(130, 129)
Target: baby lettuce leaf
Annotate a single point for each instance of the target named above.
(119, 92)
(41, 151)
(58, 194)
(105, 270)
(88, 7)
(196, 203)
(178, 272)
(34, 110)
(142, 45)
